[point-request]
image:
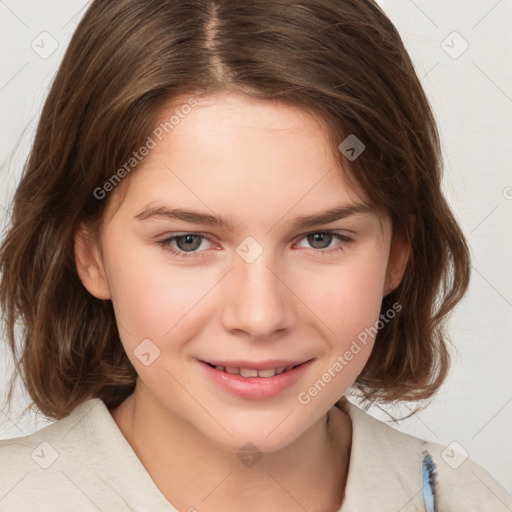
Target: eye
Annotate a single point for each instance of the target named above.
(187, 245)
(184, 243)
(322, 241)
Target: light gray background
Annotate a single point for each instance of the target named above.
(471, 94)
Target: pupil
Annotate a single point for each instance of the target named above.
(320, 240)
(190, 243)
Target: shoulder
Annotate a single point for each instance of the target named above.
(396, 459)
(43, 448)
(51, 467)
(465, 484)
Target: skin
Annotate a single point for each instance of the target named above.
(259, 164)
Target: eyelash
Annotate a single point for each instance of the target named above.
(166, 244)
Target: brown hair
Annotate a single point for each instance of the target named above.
(342, 60)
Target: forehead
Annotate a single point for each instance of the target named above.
(230, 151)
(228, 124)
(231, 106)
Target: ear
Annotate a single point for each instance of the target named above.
(397, 262)
(89, 263)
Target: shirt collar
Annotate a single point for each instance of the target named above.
(384, 466)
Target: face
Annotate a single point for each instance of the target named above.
(221, 272)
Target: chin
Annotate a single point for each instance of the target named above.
(268, 432)
(249, 440)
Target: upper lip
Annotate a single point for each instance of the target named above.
(254, 365)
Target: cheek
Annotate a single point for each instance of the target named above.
(160, 310)
(347, 297)
(154, 298)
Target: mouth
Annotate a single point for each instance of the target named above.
(253, 380)
(254, 372)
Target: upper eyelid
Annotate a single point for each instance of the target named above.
(311, 232)
(341, 237)
(210, 238)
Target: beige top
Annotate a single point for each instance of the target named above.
(83, 463)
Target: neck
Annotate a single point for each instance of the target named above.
(193, 473)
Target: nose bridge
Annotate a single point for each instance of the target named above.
(258, 302)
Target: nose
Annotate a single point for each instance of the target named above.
(259, 303)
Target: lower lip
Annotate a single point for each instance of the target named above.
(256, 388)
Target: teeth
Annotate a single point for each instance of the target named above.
(249, 372)
(267, 373)
(246, 372)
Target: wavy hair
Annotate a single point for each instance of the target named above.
(342, 60)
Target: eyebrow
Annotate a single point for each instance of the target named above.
(305, 221)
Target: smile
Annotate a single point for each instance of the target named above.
(251, 372)
(253, 380)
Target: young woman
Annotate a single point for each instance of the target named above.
(230, 218)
